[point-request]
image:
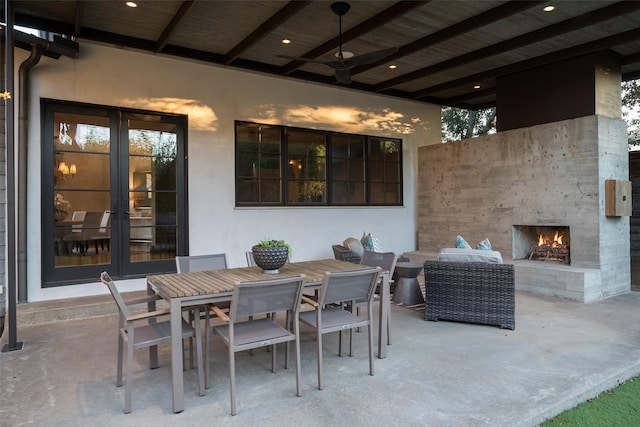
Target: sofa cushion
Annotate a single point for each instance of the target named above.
(353, 245)
(470, 255)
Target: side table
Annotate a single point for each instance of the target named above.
(408, 290)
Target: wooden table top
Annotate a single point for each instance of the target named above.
(178, 285)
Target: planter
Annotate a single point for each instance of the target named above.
(270, 259)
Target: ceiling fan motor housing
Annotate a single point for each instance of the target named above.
(340, 7)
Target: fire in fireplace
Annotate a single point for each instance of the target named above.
(549, 248)
(542, 243)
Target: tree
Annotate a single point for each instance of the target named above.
(461, 124)
(631, 110)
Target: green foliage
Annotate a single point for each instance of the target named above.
(631, 110)
(619, 407)
(272, 243)
(462, 124)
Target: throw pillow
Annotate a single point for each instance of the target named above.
(370, 243)
(461, 243)
(484, 245)
(353, 245)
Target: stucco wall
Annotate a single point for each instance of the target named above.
(214, 97)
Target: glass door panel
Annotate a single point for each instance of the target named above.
(152, 147)
(82, 190)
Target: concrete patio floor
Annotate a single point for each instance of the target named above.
(436, 373)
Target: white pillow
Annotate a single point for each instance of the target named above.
(353, 245)
(470, 255)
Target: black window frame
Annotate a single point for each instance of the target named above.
(370, 143)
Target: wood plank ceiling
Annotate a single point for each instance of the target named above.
(448, 52)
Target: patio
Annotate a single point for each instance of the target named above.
(437, 373)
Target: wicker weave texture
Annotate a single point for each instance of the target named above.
(470, 292)
(344, 254)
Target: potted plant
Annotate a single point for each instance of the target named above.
(270, 254)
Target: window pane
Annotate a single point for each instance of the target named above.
(306, 171)
(385, 171)
(258, 164)
(348, 173)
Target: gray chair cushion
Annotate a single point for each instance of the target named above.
(469, 255)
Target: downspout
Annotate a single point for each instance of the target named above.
(23, 114)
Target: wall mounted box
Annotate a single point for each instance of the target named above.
(617, 197)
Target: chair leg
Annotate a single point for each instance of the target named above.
(129, 377)
(273, 358)
(297, 345)
(370, 330)
(198, 333)
(351, 342)
(207, 350)
(120, 358)
(319, 342)
(232, 379)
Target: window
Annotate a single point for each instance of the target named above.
(113, 192)
(285, 166)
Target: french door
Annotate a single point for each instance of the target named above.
(114, 192)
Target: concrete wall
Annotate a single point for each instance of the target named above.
(214, 97)
(550, 174)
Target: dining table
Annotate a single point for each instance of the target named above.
(181, 290)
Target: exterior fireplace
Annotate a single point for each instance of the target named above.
(542, 243)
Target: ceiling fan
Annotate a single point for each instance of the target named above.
(342, 65)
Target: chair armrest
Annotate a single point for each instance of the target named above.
(141, 300)
(307, 300)
(148, 314)
(218, 311)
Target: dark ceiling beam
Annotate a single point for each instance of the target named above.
(480, 20)
(456, 100)
(630, 59)
(78, 24)
(550, 31)
(387, 15)
(634, 75)
(559, 55)
(183, 11)
(280, 17)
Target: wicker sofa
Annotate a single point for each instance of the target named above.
(470, 292)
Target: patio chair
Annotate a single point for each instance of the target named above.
(331, 315)
(201, 262)
(146, 335)
(189, 263)
(254, 298)
(386, 261)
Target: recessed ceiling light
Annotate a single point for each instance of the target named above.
(476, 87)
(393, 66)
(549, 8)
(132, 4)
(286, 41)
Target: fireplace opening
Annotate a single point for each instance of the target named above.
(550, 243)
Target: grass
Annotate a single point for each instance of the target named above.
(618, 407)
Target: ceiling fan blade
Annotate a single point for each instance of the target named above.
(368, 58)
(343, 76)
(297, 58)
